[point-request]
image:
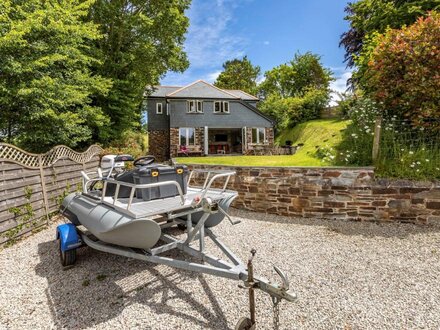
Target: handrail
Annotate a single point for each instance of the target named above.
(133, 186)
(226, 174)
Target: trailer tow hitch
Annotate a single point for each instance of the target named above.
(276, 292)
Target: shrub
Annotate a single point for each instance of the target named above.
(357, 143)
(132, 142)
(403, 73)
(291, 111)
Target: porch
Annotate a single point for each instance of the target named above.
(204, 141)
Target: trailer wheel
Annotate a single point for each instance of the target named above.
(244, 324)
(68, 257)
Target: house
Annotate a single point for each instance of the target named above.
(201, 119)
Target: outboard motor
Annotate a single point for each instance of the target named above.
(114, 164)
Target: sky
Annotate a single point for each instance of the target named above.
(269, 32)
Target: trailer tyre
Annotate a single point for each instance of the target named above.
(68, 257)
(244, 323)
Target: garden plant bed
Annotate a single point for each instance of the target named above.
(346, 274)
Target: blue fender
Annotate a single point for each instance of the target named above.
(68, 236)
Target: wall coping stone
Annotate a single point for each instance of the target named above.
(364, 168)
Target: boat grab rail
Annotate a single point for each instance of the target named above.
(133, 186)
(216, 175)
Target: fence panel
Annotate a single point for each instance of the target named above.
(33, 185)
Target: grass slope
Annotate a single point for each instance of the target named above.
(321, 132)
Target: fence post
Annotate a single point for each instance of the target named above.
(376, 141)
(43, 186)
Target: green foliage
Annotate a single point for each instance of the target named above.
(345, 103)
(74, 72)
(143, 40)
(46, 84)
(369, 16)
(405, 151)
(408, 152)
(296, 91)
(22, 217)
(403, 71)
(297, 77)
(290, 111)
(132, 142)
(239, 74)
(356, 147)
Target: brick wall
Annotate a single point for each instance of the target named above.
(334, 193)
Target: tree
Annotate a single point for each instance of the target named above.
(290, 111)
(297, 77)
(369, 16)
(46, 85)
(143, 40)
(239, 74)
(403, 70)
(296, 91)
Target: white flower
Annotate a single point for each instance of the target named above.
(412, 165)
(427, 160)
(418, 163)
(402, 149)
(411, 152)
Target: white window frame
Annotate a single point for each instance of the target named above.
(159, 108)
(196, 108)
(189, 108)
(187, 135)
(199, 106)
(223, 107)
(258, 135)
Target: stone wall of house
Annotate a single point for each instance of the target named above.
(174, 139)
(333, 193)
(270, 136)
(250, 146)
(158, 144)
(200, 138)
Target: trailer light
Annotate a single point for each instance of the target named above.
(179, 171)
(154, 174)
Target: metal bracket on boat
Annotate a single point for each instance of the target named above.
(209, 206)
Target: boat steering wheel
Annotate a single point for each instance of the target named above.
(144, 161)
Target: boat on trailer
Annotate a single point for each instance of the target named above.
(131, 212)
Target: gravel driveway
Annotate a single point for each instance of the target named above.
(347, 275)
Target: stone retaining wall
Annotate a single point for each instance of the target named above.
(334, 193)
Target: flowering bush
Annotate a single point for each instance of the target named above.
(357, 144)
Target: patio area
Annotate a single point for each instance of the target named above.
(347, 275)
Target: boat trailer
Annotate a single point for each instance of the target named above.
(72, 236)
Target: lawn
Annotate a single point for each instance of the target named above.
(313, 134)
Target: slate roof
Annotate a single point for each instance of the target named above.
(200, 89)
(242, 95)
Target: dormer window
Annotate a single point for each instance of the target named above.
(194, 106)
(159, 108)
(221, 107)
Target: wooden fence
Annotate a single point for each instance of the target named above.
(32, 186)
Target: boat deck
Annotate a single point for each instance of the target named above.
(140, 208)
